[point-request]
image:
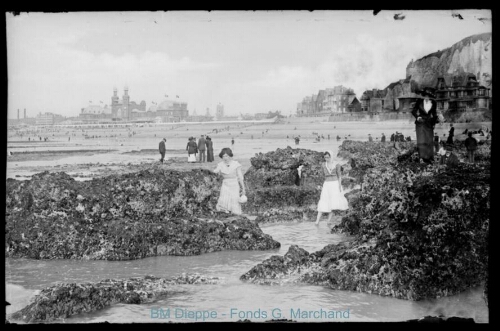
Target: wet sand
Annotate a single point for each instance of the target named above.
(115, 150)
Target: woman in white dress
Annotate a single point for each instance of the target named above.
(332, 196)
(229, 198)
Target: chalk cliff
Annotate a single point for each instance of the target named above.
(470, 55)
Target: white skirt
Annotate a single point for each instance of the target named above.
(331, 198)
(192, 158)
(229, 196)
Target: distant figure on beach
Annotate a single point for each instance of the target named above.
(210, 149)
(393, 137)
(192, 150)
(451, 133)
(232, 142)
(297, 140)
(162, 149)
(370, 137)
(201, 148)
(331, 197)
(426, 117)
(229, 198)
(471, 145)
(383, 138)
(338, 137)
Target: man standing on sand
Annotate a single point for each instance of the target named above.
(383, 138)
(201, 148)
(162, 149)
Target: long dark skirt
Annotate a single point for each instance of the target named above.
(425, 141)
(210, 155)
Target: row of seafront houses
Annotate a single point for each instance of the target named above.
(460, 93)
(125, 111)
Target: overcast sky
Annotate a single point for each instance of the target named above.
(248, 61)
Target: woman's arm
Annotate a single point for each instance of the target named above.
(217, 169)
(240, 180)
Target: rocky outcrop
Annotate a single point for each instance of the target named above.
(472, 54)
(421, 230)
(65, 300)
(136, 215)
(272, 181)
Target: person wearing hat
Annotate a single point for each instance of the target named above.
(471, 145)
(426, 117)
(449, 159)
(451, 133)
(192, 149)
(201, 148)
(162, 149)
(210, 149)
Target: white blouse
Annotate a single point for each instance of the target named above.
(228, 170)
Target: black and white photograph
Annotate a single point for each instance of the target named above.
(259, 166)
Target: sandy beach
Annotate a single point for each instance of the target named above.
(111, 150)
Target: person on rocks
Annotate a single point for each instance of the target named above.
(229, 198)
(436, 142)
(201, 148)
(192, 150)
(426, 117)
(162, 149)
(210, 149)
(383, 138)
(471, 145)
(449, 159)
(332, 197)
(370, 139)
(451, 133)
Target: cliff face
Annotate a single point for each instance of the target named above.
(472, 54)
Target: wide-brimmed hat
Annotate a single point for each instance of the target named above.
(427, 92)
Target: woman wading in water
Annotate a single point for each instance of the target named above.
(332, 197)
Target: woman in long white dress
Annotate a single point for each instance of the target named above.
(229, 198)
(332, 196)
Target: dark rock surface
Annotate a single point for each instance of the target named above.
(421, 230)
(147, 213)
(272, 183)
(65, 300)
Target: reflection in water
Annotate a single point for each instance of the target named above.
(232, 299)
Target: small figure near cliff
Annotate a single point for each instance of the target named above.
(332, 197)
(436, 142)
(229, 198)
(426, 117)
(471, 145)
(450, 134)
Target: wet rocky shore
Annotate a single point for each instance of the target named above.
(65, 300)
(420, 230)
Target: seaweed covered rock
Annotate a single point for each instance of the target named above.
(279, 168)
(277, 269)
(421, 230)
(430, 226)
(69, 299)
(136, 215)
(272, 181)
